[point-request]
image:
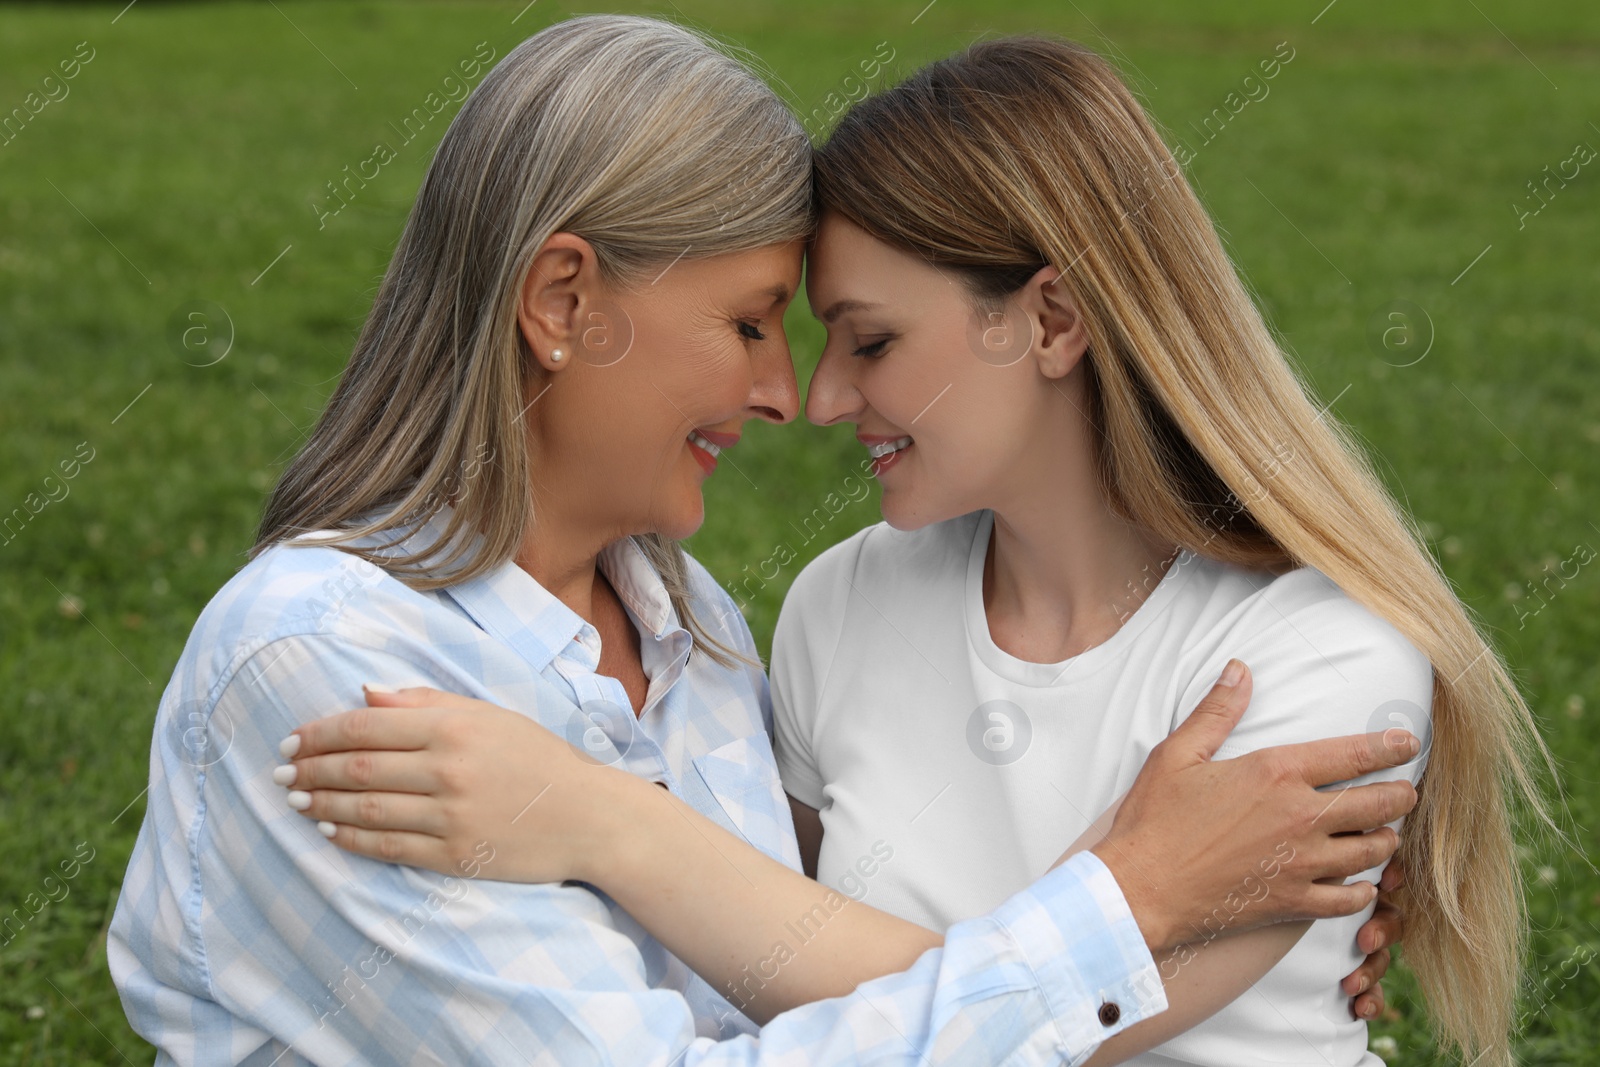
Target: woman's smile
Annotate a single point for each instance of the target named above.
(885, 451)
(706, 445)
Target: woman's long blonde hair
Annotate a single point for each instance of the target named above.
(1022, 152)
(645, 138)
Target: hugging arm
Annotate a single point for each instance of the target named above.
(724, 907)
(246, 934)
(1205, 974)
(1343, 670)
(1199, 978)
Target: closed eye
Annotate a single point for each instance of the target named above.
(873, 350)
(751, 331)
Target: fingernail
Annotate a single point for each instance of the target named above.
(1231, 674)
(289, 746)
(1368, 1010)
(285, 775)
(326, 828)
(379, 687)
(299, 799)
(1365, 982)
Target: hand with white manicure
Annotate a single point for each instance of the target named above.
(426, 778)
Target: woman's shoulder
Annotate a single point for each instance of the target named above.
(303, 590)
(1312, 650)
(1303, 608)
(304, 583)
(882, 558)
(1224, 598)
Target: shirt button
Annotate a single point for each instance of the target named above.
(1110, 1013)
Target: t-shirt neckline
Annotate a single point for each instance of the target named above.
(1085, 663)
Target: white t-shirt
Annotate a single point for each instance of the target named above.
(950, 774)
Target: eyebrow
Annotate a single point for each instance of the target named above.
(839, 307)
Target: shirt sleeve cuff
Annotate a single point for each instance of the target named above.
(1075, 930)
(799, 781)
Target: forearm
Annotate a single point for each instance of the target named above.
(763, 935)
(1027, 982)
(1200, 978)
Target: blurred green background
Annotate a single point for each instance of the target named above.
(1377, 199)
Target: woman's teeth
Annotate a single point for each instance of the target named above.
(888, 447)
(696, 439)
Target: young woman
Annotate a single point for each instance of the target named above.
(1101, 480)
(583, 297)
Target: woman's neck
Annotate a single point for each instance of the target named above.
(563, 555)
(570, 580)
(1063, 572)
(1052, 590)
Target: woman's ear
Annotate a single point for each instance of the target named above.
(1059, 336)
(563, 280)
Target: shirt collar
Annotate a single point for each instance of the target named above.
(509, 603)
(639, 585)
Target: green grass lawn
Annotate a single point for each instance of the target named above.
(1389, 162)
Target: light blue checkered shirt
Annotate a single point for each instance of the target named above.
(242, 936)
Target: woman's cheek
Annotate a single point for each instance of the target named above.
(720, 382)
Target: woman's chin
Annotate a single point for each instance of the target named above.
(903, 523)
(904, 511)
(685, 519)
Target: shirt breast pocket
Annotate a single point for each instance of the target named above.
(743, 777)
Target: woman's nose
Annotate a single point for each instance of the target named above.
(832, 396)
(774, 394)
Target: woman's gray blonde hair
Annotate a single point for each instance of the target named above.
(649, 140)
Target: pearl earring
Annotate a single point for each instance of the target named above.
(555, 355)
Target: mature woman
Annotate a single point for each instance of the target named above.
(583, 310)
